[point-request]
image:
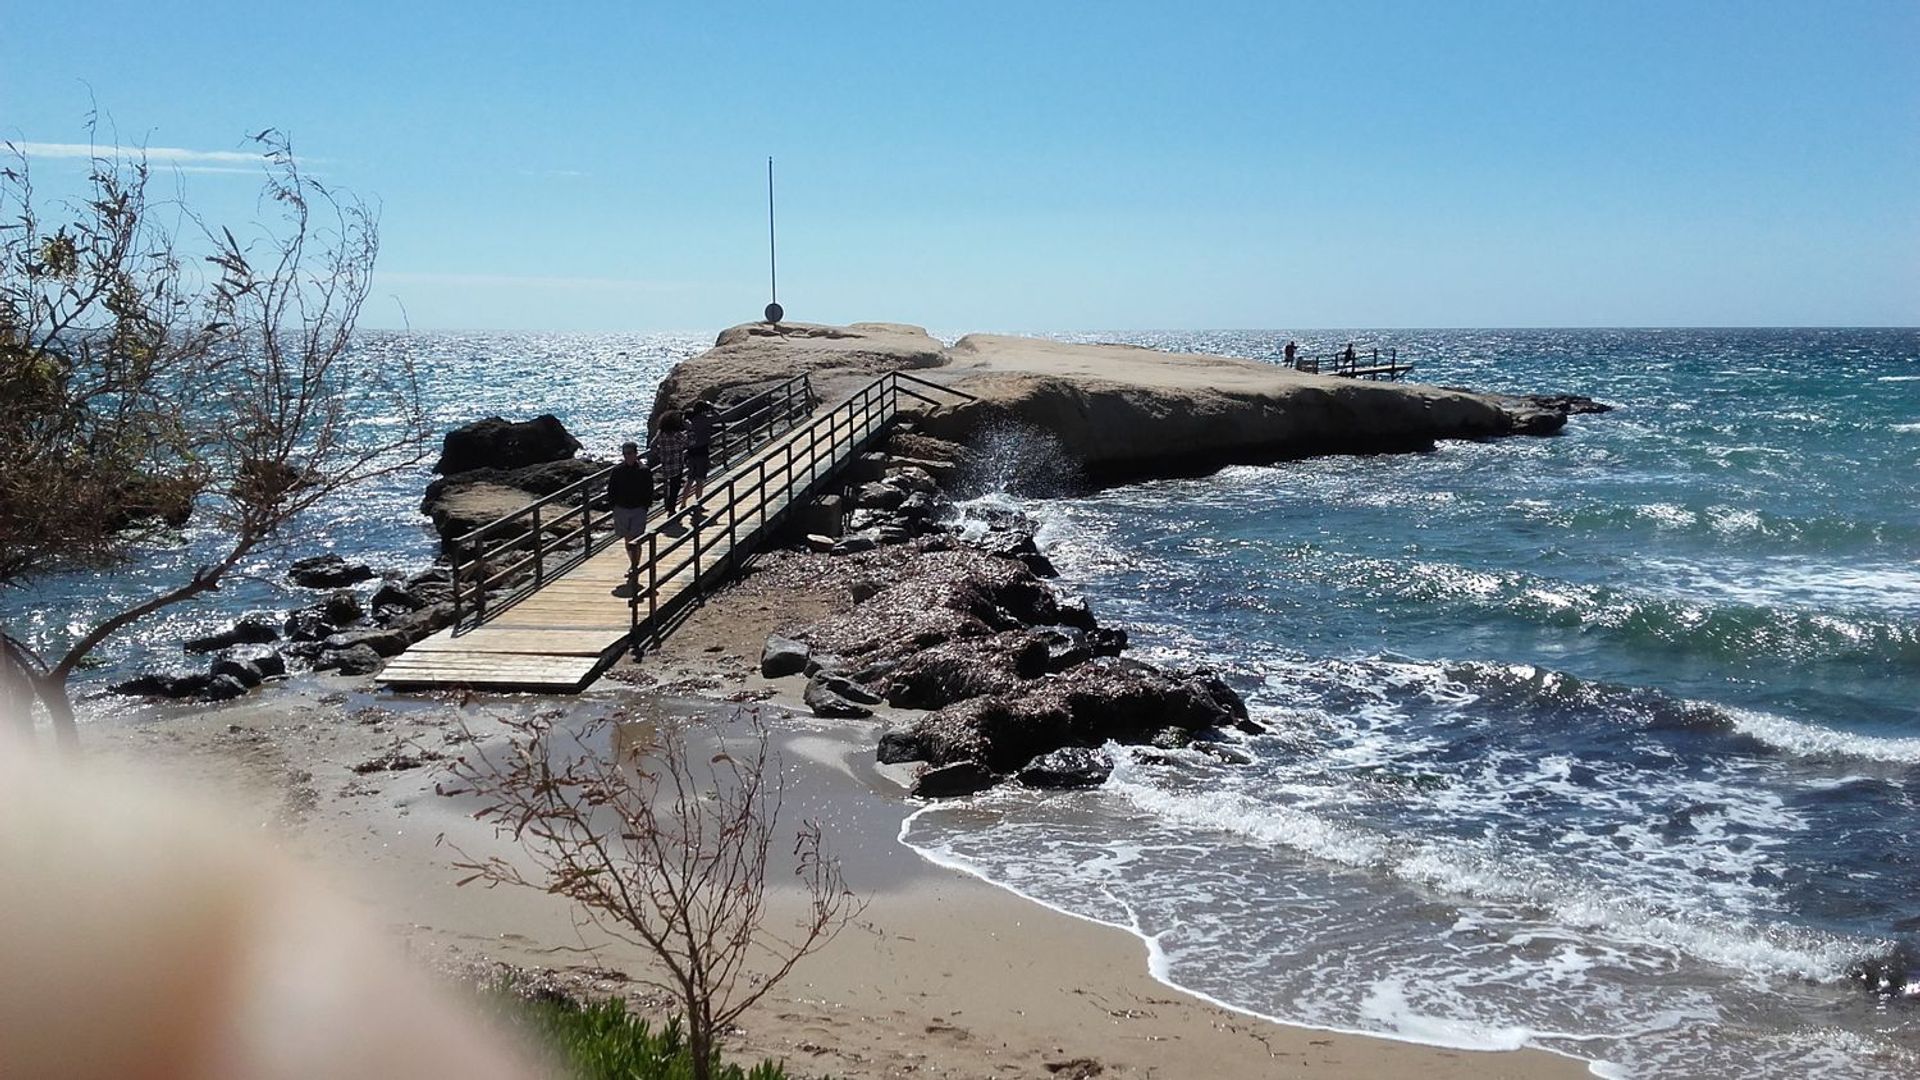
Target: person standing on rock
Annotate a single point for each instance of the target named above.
(703, 423)
(669, 454)
(630, 490)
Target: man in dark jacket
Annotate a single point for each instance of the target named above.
(630, 490)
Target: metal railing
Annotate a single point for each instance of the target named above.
(752, 498)
(517, 553)
(1370, 365)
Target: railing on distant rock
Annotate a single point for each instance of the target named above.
(773, 486)
(1369, 366)
(513, 555)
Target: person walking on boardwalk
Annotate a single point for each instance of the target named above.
(669, 454)
(703, 424)
(630, 490)
(1349, 356)
(1292, 355)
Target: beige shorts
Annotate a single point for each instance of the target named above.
(630, 522)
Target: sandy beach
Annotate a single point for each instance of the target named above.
(943, 975)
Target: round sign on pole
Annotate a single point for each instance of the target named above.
(775, 312)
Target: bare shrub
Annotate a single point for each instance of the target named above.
(663, 844)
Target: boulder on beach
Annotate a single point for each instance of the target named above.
(953, 780)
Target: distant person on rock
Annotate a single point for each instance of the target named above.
(703, 424)
(1292, 353)
(669, 453)
(630, 490)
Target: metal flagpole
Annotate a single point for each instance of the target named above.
(774, 311)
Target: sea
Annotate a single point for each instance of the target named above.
(1606, 743)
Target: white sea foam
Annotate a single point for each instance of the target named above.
(1468, 869)
(1808, 740)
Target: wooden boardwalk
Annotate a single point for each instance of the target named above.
(561, 635)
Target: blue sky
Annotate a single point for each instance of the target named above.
(1050, 166)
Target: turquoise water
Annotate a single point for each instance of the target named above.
(1607, 743)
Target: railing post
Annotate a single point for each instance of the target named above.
(694, 524)
(453, 571)
(586, 518)
(539, 547)
(480, 588)
(653, 585)
(733, 524)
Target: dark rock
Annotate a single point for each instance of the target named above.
(911, 478)
(251, 630)
(237, 669)
(855, 544)
(1099, 700)
(1106, 641)
(270, 664)
(962, 668)
(866, 520)
(868, 468)
(327, 572)
(1211, 684)
(824, 516)
(1067, 767)
(1066, 647)
(354, 660)
(382, 642)
(1039, 564)
(161, 684)
(953, 780)
(536, 480)
(892, 534)
(918, 505)
(782, 656)
(897, 748)
(303, 650)
(820, 542)
(309, 625)
(223, 688)
(833, 695)
(413, 626)
(1894, 974)
(498, 443)
(394, 595)
(1073, 611)
(341, 608)
(877, 496)
(1172, 738)
(1008, 543)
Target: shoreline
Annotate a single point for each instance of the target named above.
(950, 973)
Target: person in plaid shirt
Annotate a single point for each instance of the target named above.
(669, 456)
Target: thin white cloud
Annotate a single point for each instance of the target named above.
(174, 155)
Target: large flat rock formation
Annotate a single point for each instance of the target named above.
(1120, 411)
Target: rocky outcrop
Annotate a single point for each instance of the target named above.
(498, 443)
(748, 359)
(494, 467)
(1112, 412)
